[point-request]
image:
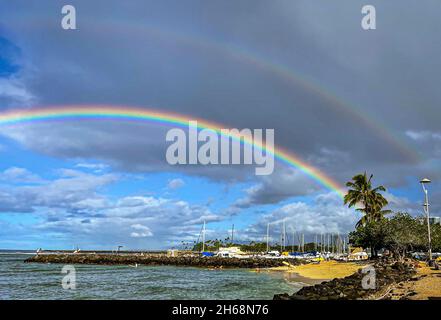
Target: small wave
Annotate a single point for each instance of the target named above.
(16, 252)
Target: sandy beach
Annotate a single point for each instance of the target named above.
(325, 270)
(425, 285)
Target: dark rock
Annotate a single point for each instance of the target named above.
(387, 272)
(159, 259)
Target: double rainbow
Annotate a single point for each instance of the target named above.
(167, 118)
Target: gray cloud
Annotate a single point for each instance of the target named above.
(223, 85)
(73, 190)
(324, 215)
(283, 184)
(342, 99)
(13, 91)
(15, 174)
(74, 208)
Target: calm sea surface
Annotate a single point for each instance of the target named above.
(20, 280)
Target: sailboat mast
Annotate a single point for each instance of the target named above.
(292, 249)
(332, 242)
(232, 234)
(344, 244)
(284, 235)
(281, 238)
(327, 242)
(303, 242)
(267, 237)
(203, 238)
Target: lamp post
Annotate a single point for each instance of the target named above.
(426, 211)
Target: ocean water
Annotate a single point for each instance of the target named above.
(19, 280)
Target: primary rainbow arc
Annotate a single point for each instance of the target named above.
(118, 112)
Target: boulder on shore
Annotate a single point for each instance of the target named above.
(352, 288)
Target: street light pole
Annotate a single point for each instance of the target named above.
(426, 211)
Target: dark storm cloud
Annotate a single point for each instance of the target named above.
(183, 57)
(283, 184)
(127, 146)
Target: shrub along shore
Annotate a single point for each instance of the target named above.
(156, 259)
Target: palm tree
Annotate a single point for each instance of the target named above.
(371, 200)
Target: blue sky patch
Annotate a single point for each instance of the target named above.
(9, 54)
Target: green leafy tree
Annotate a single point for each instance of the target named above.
(400, 234)
(371, 235)
(436, 237)
(404, 234)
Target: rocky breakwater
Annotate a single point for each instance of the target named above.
(387, 274)
(126, 259)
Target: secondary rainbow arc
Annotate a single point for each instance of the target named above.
(254, 58)
(117, 112)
